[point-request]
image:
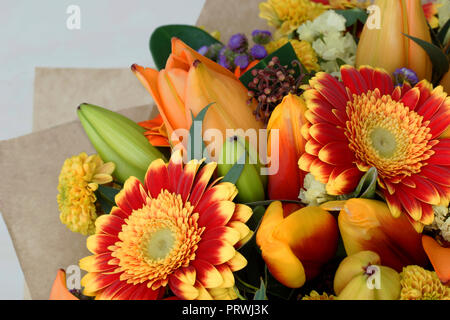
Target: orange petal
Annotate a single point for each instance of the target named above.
(182, 50)
(439, 257)
(369, 225)
(59, 289)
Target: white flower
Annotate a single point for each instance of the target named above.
(442, 221)
(330, 41)
(314, 192)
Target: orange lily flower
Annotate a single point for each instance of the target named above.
(59, 288)
(156, 132)
(190, 82)
(439, 257)
(369, 225)
(396, 17)
(288, 117)
(296, 245)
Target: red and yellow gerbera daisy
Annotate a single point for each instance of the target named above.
(363, 122)
(176, 230)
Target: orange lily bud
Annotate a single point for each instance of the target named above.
(369, 225)
(386, 47)
(59, 288)
(439, 257)
(189, 83)
(288, 117)
(296, 245)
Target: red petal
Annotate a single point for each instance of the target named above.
(439, 122)
(305, 161)
(437, 174)
(201, 182)
(332, 90)
(109, 224)
(431, 105)
(343, 180)
(411, 98)
(187, 179)
(207, 274)
(410, 204)
(99, 243)
(94, 282)
(134, 193)
(215, 251)
(109, 292)
(223, 191)
(336, 153)
(157, 178)
(321, 170)
(312, 147)
(321, 108)
(224, 233)
(175, 170)
(216, 214)
(353, 80)
(324, 133)
(394, 204)
(97, 263)
(116, 211)
(427, 214)
(383, 82)
(425, 191)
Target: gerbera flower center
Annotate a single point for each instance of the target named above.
(384, 142)
(160, 244)
(385, 134)
(158, 239)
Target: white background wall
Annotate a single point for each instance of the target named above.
(34, 34)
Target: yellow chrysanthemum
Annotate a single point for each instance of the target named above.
(314, 295)
(420, 284)
(288, 15)
(78, 180)
(349, 4)
(303, 50)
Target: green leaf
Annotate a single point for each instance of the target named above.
(437, 57)
(261, 293)
(285, 54)
(105, 195)
(235, 171)
(367, 185)
(443, 32)
(160, 40)
(352, 16)
(196, 145)
(108, 193)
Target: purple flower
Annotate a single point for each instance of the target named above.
(404, 74)
(224, 60)
(242, 61)
(203, 50)
(261, 36)
(258, 52)
(238, 43)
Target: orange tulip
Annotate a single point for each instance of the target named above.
(189, 83)
(387, 47)
(369, 225)
(296, 245)
(439, 257)
(59, 288)
(288, 117)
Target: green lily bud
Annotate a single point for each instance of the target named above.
(118, 139)
(251, 184)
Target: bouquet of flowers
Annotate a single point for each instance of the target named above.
(306, 161)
